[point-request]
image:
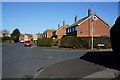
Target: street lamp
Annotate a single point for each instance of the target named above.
(94, 18)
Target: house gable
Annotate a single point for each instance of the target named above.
(92, 16)
(100, 27)
(62, 30)
(83, 27)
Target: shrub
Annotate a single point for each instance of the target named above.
(84, 42)
(45, 42)
(6, 38)
(68, 41)
(102, 40)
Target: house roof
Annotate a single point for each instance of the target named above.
(48, 31)
(86, 18)
(79, 21)
(21, 35)
(29, 35)
(62, 27)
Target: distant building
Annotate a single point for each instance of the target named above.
(37, 36)
(4, 33)
(60, 31)
(88, 26)
(25, 36)
(1, 34)
(21, 37)
(48, 33)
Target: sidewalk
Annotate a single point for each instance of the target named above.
(76, 68)
(91, 65)
(107, 73)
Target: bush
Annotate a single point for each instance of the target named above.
(84, 42)
(45, 42)
(102, 40)
(6, 38)
(68, 41)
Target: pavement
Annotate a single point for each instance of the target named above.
(106, 73)
(76, 68)
(79, 68)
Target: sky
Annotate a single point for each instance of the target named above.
(36, 17)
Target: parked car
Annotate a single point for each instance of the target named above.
(22, 41)
(27, 43)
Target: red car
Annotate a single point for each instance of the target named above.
(27, 43)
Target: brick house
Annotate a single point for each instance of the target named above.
(92, 25)
(25, 36)
(36, 36)
(60, 31)
(21, 37)
(48, 33)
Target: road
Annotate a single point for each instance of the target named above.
(22, 62)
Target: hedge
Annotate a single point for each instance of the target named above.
(56, 42)
(84, 42)
(45, 42)
(6, 39)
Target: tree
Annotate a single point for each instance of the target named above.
(15, 35)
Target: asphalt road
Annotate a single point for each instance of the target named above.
(0, 60)
(22, 62)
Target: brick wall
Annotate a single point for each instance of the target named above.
(62, 30)
(100, 28)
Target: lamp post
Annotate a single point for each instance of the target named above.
(94, 18)
(92, 37)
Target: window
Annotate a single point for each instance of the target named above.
(76, 28)
(67, 30)
(54, 33)
(70, 29)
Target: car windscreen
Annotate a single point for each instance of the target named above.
(27, 41)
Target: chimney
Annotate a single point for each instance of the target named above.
(58, 26)
(89, 12)
(75, 18)
(63, 23)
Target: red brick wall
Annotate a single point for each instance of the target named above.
(30, 37)
(21, 38)
(62, 31)
(100, 28)
(49, 35)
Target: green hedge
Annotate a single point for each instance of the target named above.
(102, 40)
(68, 41)
(45, 42)
(84, 42)
(6, 38)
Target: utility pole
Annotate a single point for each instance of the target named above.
(94, 18)
(92, 36)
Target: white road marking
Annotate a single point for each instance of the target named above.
(50, 57)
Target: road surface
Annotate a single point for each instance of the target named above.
(23, 62)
